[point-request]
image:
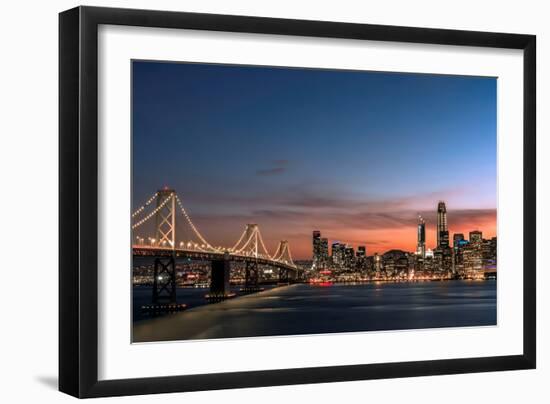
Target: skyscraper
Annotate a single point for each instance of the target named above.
(457, 237)
(489, 253)
(377, 264)
(476, 236)
(349, 257)
(473, 256)
(361, 257)
(324, 252)
(444, 239)
(442, 231)
(421, 236)
(460, 247)
(458, 241)
(316, 248)
(338, 253)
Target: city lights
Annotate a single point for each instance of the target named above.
(466, 259)
(474, 258)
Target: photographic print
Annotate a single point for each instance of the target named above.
(270, 201)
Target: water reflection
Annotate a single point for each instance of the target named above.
(307, 309)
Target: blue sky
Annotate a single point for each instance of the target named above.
(302, 149)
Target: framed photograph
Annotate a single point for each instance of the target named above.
(269, 201)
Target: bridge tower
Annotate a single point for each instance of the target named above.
(251, 239)
(164, 281)
(252, 270)
(283, 255)
(165, 218)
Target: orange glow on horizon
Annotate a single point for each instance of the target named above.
(382, 240)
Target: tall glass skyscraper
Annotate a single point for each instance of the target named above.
(316, 247)
(338, 253)
(324, 252)
(320, 250)
(421, 246)
(442, 231)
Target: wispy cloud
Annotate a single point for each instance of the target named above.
(279, 167)
(271, 171)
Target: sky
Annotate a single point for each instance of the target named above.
(357, 155)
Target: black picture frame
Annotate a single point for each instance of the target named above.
(78, 196)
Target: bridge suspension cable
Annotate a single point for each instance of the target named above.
(246, 243)
(283, 253)
(150, 215)
(263, 244)
(142, 207)
(240, 239)
(201, 238)
(289, 254)
(253, 246)
(278, 253)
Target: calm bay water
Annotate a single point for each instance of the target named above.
(307, 309)
(192, 297)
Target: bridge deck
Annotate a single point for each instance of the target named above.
(147, 251)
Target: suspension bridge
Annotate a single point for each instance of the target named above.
(165, 210)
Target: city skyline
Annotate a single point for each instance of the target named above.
(420, 236)
(358, 155)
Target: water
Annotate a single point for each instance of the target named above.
(306, 309)
(192, 297)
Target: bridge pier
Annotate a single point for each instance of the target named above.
(284, 276)
(219, 280)
(252, 277)
(164, 281)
